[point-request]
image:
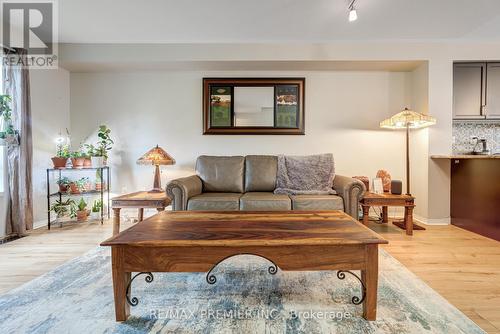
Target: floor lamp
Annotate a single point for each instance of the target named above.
(407, 120)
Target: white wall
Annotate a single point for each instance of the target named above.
(343, 111)
(50, 116)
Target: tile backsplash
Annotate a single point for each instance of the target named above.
(463, 131)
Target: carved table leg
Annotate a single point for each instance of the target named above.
(385, 215)
(120, 282)
(409, 220)
(366, 210)
(116, 221)
(369, 277)
(141, 214)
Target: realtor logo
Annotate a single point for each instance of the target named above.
(31, 25)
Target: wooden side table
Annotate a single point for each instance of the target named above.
(139, 200)
(386, 199)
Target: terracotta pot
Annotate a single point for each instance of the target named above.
(63, 188)
(98, 186)
(81, 215)
(59, 162)
(77, 162)
(74, 188)
(87, 162)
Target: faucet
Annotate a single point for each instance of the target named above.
(484, 145)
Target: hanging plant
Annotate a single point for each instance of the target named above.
(7, 132)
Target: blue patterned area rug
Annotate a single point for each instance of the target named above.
(77, 297)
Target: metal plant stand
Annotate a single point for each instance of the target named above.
(59, 195)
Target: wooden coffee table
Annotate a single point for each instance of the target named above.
(188, 241)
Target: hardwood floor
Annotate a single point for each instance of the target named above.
(462, 266)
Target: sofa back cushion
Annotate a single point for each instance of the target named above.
(221, 174)
(260, 172)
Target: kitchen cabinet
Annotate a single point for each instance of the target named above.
(476, 90)
(492, 109)
(469, 93)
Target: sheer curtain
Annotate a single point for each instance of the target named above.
(19, 190)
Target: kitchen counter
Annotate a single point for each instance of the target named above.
(465, 156)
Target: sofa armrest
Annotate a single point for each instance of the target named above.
(351, 190)
(180, 190)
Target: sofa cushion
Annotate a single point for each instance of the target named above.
(317, 202)
(260, 172)
(214, 201)
(221, 174)
(264, 201)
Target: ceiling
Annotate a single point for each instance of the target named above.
(227, 21)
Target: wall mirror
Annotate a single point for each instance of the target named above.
(253, 106)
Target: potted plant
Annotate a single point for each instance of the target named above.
(96, 209)
(64, 209)
(62, 155)
(82, 212)
(64, 183)
(79, 186)
(7, 133)
(77, 159)
(99, 152)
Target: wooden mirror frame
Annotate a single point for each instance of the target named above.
(254, 130)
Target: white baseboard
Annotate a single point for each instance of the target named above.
(432, 221)
(40, 224)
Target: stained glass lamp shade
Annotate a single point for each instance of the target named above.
(156, 157)
(408, 119)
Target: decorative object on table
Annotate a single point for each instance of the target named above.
(82, 212)
(408, 119)
(384, 200)
(253, 106)
(305, 175)
(156, 157)
(378, 186)
(7, 133)
(81, 185)
(64, 209)
(365, 180)
(139, 200)
(396, 187)
(386, 179)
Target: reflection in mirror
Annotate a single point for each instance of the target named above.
(254, 106)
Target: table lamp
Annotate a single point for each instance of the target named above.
(408, 119)
(156, 157)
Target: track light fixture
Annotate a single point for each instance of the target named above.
(353, 15)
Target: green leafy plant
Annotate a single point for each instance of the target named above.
(105, 142)
(64, 181)
(6, 114)
(63, 208)
(62, 151)
(82, 205)
(76, 154)
(96, 206)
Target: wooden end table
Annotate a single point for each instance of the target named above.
(139, 200)
(386, 199)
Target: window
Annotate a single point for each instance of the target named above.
(2, 155)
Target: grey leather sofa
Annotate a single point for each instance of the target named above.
(247, 183)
